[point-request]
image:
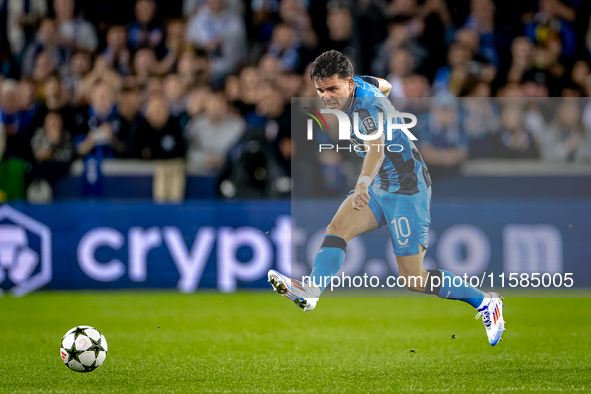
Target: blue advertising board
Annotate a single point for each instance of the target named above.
(231, 245)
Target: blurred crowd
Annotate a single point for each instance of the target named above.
(208, 83)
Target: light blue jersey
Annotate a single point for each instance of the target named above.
(400, 195)
(403, 170)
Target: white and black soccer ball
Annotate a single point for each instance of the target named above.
(83, 349)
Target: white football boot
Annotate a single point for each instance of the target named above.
(492, 317)
(304, 296)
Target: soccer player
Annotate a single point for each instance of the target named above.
(393, 189)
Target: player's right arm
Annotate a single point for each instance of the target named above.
(374, 157)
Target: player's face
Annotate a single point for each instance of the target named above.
(334, 91)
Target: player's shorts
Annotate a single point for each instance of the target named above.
(408, 218)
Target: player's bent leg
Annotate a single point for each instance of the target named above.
(345, 225)
(412, 270)
(446, 285)
(348, 223)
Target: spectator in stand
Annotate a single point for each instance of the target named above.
(28, 106)
(416, 86)
(2, 141)
(452, 77)
(583, 154)
(176, 43)
(46, 41)
(416, 89)
(116, 54)
(193, 69)
(514, 140)
(196, 103)
(547, 69)
(285, 47)
(521, 60)
(73, 33)
(174, 46)
(293, 13)
(211, 135)
(190, 7)
(145, 31)
(18, 107)
(144, 62)
(175, 95)
(10, 119)
(265, 15)
(44, 68)
(80, 68)
(202, 69)
(401, 66)
(21, 19)
(277, 132)
(248, 94)
(553, 23)
(480, 118)
(52, 101)
(341, 36)
(579, 75)
(128, 119)
(100, 73)
(402, 33)
(101, 139)
(481, 21)
(222, 34)
(289, 85)
(160, 137)
(154, 88)
(441, 138)
(561, 141)
(186, 70)
(16, 144)
(52, 149)
(436, 21)
(429, 24)
(269, 68)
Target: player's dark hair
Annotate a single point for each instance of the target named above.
(330, 63)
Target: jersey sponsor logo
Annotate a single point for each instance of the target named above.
(369, 124)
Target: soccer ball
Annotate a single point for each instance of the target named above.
(83, 349)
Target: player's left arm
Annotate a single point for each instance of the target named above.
(374, 158)
(383, 85)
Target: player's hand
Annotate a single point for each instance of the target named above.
(360, 197)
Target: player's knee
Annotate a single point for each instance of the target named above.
(334, 228)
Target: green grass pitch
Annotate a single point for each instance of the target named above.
(259, 342)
